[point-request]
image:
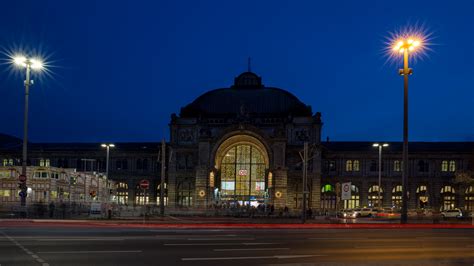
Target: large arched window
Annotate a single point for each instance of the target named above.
(243, 174)
(328, 197)
(355, 198)
(397, 196)
(185, 190)
(469, 199)
(448, 198)
(374, 196)
(165, 194)
(422, 197)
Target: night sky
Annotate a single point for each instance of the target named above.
(121, 68)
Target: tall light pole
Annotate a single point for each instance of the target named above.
(380, 146)
(405, 45)
(107, 146)
(29, 64)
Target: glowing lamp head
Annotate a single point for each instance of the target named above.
(406, 43)
(36, 64)
(23, 61)
(19, 60)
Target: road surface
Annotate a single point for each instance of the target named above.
(89, 245)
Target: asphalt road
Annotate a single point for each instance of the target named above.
(131, 246)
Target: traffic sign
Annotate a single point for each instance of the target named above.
(346, 191)
(22, 178)
(144, 184)
(22, 194)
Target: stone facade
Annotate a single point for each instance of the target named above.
(274, 124)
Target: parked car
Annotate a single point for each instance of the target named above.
(452, 213)
(347, 213)
(365, 212)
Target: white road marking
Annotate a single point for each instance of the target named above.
(80, 239)
(249, 249)
(253, 258)
(337, 238)
(445, 238)
(89, 251)
(33, 255)
(218, 239)
(217, 244)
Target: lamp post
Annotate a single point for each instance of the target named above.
(29, 64)
(380, 146)
(405, 45)
(107, 146)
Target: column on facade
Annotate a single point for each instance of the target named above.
(412, 197)
(460, 195)
(280, 177)
(172, 193)
(201, 191)
(387, 193)
(131, 191)
(315, 178)
(364, 193)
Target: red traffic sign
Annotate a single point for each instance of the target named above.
(144, 184)
(346, 187)
(22, 178)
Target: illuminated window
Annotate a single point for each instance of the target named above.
(122, 185)
(141, 198)
(122, 197)
(397, 193)
(165, 195)
(444, 166)
(374, 195)
(452, 166)
(356, 165)
(47, 163)
(243, 173)
(397, 166)
(422, 196)
(355, 199)
(448, 198)
(7, 162)
(469, 199)
(328, 197)
(41, 163)
(349, 166)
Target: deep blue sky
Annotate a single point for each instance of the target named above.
(122, 67)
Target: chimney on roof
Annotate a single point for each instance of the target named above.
(327, 139)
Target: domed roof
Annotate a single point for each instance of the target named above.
(249, 96)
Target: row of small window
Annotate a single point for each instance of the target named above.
(11, 162)
(41, 174)
(124, 185)
(423, 166)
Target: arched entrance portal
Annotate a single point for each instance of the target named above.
(242, 164)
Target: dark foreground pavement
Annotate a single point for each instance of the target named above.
(51, 244)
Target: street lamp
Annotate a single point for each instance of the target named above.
(380, 146)
(405, 44)
(107, 146)
(29, 64)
